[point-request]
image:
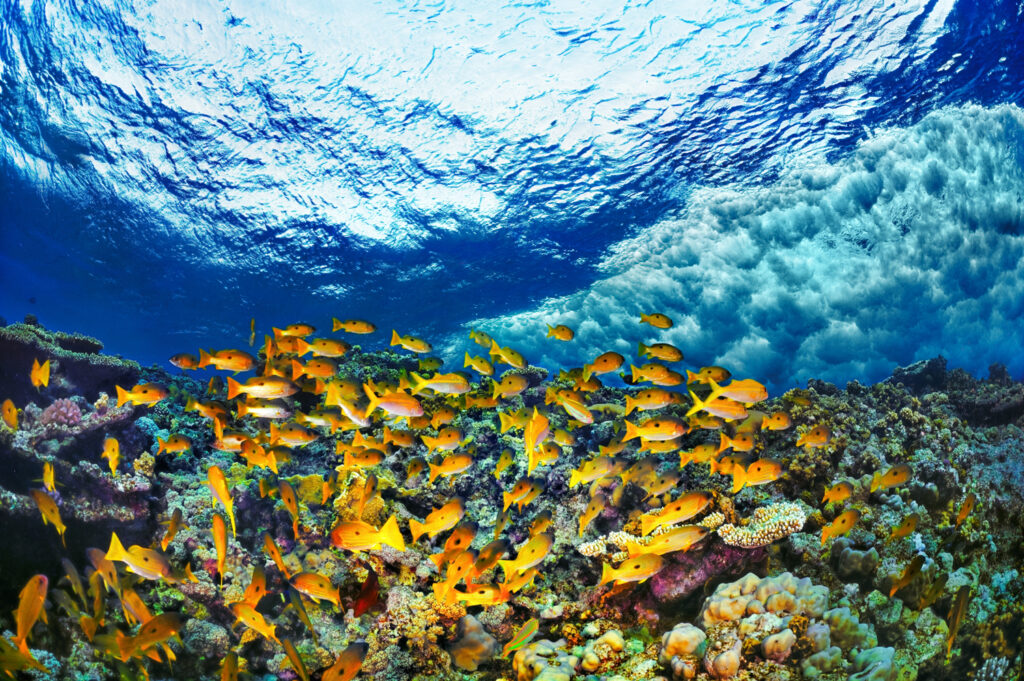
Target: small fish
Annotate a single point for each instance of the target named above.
(353, 326)
(723, 407)
(530, 554)
(411, 343)
(439, 520)
(819, 436)
(541, 522)
(30, 609)
(298, 330)
(248, 615)
(445, 384)
(636, 569)
(174, 444)
(657, 320)
(657, 428)
(267, 387)
(502, 521)
(369, 594)
(106, 571)
(572, 405)
(843, 523)
(49, 478)
(318, 367)
(591, 470)
(146, 394)
(317, 587)
(710, 373)
(704, 453)
(932, 593)
(912, 570)
(894, 477)
(324, 347)
(759, 472)
(480, 338)
(740, 442)
(560, 332)
(651, 398)
(597, 503)
(479, 364)
(48, 508)
(506, 355)
(227, 360)
(10, 414)
(359, 536)
(965, 508)
(257, 588)
(416, 465)
(535, 432)
(40, 374)
(603, 364)
(515, 419)
(678, 511)
(271, 549)
(145, 563)
(504, 461)
(521, 637)
(218, 485)
(510, 385)
(291, 503)
(152, 633)
(837, 493)
(450, 466)
(348, 664)
(220, 543)
(112, 453)
(652, 371)
(706, 421)
(956, 616)
(447, 439)
(252, 332)
(676, 539)
(905, 528)
(746, 391)
(662, 351)
(778, 420)
(394, 403)
(173, 525)
(229, 667)
(184, 360)
(489, 557)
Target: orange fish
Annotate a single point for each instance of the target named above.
(700, 454)
(720, 406)
(819, 436)
(173, 525)
(657, 320)
(602, 364)
(459, 540)
(894, 477)
(152, 633)
(837, 493)
(479, 364)
(354, 326)
(597, 503)
(40, 374)
(316, 587)
(636, 569)
(510, 385)
(30, 609)
(298, 330)
(905, 528)
(657, 428)
(652, 398)
(506, 355)
(746, 391)
(530, 554)
(513, 419)
(320, 367)
(678, 511)
(395, 403)
(220, 542)
(560, 332)
(759, 472)
(146, 563)
(843, 523)
(10, 414)
(912, 570)
(591, 470)
(356, 535)
(662, 351)
(173, 444)
(535, 432)
(291, 503)
(227, 360)
(439, 520)
(271, 549)
(676, 539)
(218, 485)
(652, 371)
(292, 434)
(112, 453)
(447, 384)
(143, 394)
(185, 360)
(573, 407)
(965, 508)
(451, 466)
(776, 421)
(248, 615)
(324, 347)
(711, 373)
(956, 616)
(48, 508)
(480, 338)
(448, 439)
(411, 343)
(348, 664)
(740, 442)
(268, 387)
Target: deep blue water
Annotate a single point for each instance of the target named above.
(810, 189)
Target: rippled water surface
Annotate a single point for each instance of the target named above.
(168, 170)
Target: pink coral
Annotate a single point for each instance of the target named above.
(62, 412)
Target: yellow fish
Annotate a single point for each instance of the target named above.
(504, 461)
(173, 525)
(658, 428)
(267, 387)
(30, 609)
(248, 615)
(146, 563)
(912, 570)
(450, 466)
(173, 444)
(489, 557)
(298, 330)
(515, 419)
(819, 436)
(956, 616)
(837, 493)
(447, 439)
(218, 485)
(530, 554)
(227, 360)
(316, 587)
(480, 338)
(411, 343)
(965, 508)
(598, 503)
(348, 664)
(905, 528)
(651, 398)
(591, 470)
(678, 511)
(636, 569)
(146, 394)
(704, 453)
(603, 364)
(759, 472)
(730, 410)
(10, 414)
(776, 421)
(356, 535)
(657, 320)
(324, 347)
(220, 543)
(535, 432)
(459, 540)
(662, 351)
(40, 374)
(894, 477)
(447, 384)
(510, 385)
(353, 326)
(506, 355)
(271, 549)
(740, 442)
(49, 477)
(48, 508)
(705, 374)
(843, 523)
(291, 503)
(479, 364)
(394, 403)
(676, 539)
(560, 332)
(746, 391)
(439, 520)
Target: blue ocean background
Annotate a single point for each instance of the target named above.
(810, 189)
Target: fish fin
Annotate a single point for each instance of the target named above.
(122, 396)
(631, 431)
(277, 333)
(205, 359)
(163, 444)
(395, 338)
(574, 479)
(417, 529)
(336, 323)
(302, 346)
(698, 405)
(739, 478)
(116, 550)
(551, 331)
(234, 387)
(634, 373)
(607, 574)
(435, 470)
(630, 405)
(648, 524)
(419, 384)
(297, 370)
(716, 390)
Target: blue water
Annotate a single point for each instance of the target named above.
(820, 189)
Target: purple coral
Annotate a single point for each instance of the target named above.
(62, 412)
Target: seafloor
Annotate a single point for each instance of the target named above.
(761, 596)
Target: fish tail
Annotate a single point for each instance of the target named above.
(234, 387)
(374, 400)
(698, 405)
(466, 362)
(641, 349)
(691, 377)
(648, 524)
(739, 478)
(587, 371)
(630, 405)
(122, 396)
(395, 338)
(204, 358)
(271, 349)
(551, 331)
(419, 383)
(631, 431)
(435, 470)
(508, 567)
(506, 500)
(494, 350)
(417, 529)
(716, 390)
(506, 421)
(574, 479)
(824, 535)
(607, 574)
(277, 333)
(337, 324)
(302, 346)
(724, 443)
(116, 550)
(163, 444)
(297, 369)
(876, 481)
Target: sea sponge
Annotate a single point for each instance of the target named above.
(822, 662)
(474, 645)
(682, 640)
(748, 594)
(778, 646)
(723, 661)
(846, 630)
(874, 664)
(768, 524)
(544, 660)
(851, 563)
(600, 651)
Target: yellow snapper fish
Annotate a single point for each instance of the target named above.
(506, 355)
(439, 520)
(560, 332)
(411, 343)
(637, 569)
(591, 470)
(479, 364)
(112, 453)
(448, 384)
(676, 539)
(48, 508)
(678, 511)
(218, 485)
(597, 503)
(356, 535)
(530, 554)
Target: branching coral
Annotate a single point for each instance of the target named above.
(768, 524)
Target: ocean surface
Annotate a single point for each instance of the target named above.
(822, 189)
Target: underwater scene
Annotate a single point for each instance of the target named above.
(512, 341)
